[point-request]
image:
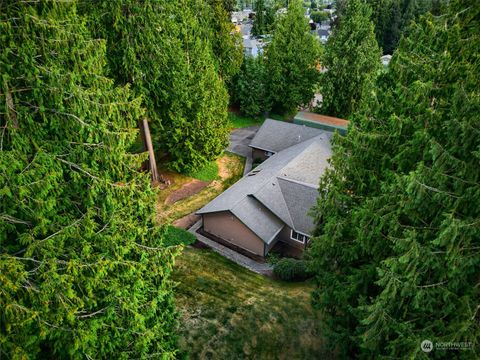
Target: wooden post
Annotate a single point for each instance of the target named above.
(151, 155)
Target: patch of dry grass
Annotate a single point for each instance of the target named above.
(230, 169)
(228, 312)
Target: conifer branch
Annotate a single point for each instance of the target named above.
(91, 314)
(13, 220)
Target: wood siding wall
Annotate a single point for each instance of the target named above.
(284, 236)
(227, 226)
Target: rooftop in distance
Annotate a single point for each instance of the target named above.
(324, 122)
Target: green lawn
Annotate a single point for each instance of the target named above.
(228, 312)
(239, 121)
(208, 173)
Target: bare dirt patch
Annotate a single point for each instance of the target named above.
(185, 195)
(189, 189)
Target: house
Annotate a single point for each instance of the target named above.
(252, 47)
(270, 204)
(275, 136)
(385, 59)
(324, 35)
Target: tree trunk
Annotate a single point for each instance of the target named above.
(147, 141)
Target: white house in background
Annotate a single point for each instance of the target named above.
(385, 59)
(252, 47)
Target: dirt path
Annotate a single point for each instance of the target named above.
(189, 189)
(179, 203)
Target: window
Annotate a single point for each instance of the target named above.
(299, 237)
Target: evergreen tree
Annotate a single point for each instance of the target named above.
(260, 25)
(352, 59)
(291, 60)
(398, 237)
(392, 18)
(83, 270)
(250, 87)
(226, 42)
(162, 49)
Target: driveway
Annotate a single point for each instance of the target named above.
(239, 141)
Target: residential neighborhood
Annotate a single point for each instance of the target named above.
(240, 179)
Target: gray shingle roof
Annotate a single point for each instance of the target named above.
(276, 135)
(264, 223)
(279, 191)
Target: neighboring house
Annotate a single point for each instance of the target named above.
(270, 204)
(385, 59)
(275, 136)
(252, 47)
(324, 35)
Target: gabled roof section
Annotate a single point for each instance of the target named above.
(308, 166)
(299, 199)
(258, 219)
(276, 135)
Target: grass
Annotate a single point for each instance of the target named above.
(228, 312)
(208, 173)
(239, 121)
(230, 170)
(177, 236)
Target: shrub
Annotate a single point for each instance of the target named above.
(177, 236)
(273, 258)
(291, 270)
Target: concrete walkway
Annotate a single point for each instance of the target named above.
(246, 262)
(239, 141)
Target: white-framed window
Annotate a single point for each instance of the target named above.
(302, 238)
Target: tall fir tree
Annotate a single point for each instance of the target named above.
(260, 25)
(215, 17)
(352, 60)
(250, 87)
(397, 240)
(161, 48)
(83, 270)
(291, 61)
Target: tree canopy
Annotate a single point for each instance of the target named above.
(250, 87)
(162, 49)
(291, 60)
(397, 242)
(83, 270)
(352, 60)
(392, 18)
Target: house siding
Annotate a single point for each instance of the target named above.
(228, 227)
(284, 236)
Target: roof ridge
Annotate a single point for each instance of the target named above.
(298, 182)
